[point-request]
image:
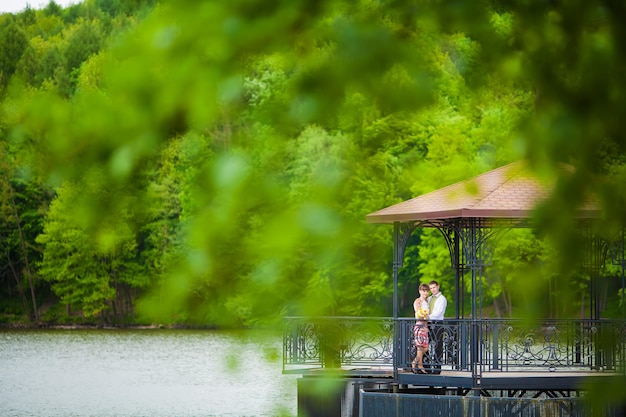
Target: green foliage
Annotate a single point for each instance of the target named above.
(83, 260)
(13, 43)
(520, 258)
(83, 39)
(53, 9)
(436, 265)
(214, 161)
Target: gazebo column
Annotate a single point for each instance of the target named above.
(473, 242)
(595, 250)
(469, 245)
(401, 234)
(459, 271)
(618, 257)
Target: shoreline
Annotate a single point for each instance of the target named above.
(50, 326)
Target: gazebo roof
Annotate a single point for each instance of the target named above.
(508, 192)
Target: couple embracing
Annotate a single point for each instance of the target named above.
(428, 309)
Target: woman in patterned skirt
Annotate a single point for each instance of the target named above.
(420, 331)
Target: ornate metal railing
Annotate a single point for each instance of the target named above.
(476, 346)
(337, 341)
(554, 345)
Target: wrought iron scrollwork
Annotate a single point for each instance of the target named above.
(550, 345)
(333, 342)
(402, 235)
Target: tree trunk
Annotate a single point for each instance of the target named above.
(129, 297)
(506, 305)
(18, 283)
(496, 307)
(26, 263)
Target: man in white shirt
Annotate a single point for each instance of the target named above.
(437, 304)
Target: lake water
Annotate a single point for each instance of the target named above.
(143, 373)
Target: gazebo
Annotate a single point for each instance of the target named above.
(471, 213)
(482, 357)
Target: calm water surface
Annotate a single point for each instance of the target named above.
(143, 373)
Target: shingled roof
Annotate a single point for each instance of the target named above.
(508, 192)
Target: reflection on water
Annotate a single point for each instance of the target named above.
(143, 373)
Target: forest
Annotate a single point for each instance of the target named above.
(212, 163)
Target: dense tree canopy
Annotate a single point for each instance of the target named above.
(213, 162)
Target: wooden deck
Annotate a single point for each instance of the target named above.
(539, 380)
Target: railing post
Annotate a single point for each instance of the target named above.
(295, 340)
(474, 349)
(397, 344)
(330, 345)
(496, 353)
(403, 358)
(607, 344)
(597, 344)
(578, 333)
(463, 344)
